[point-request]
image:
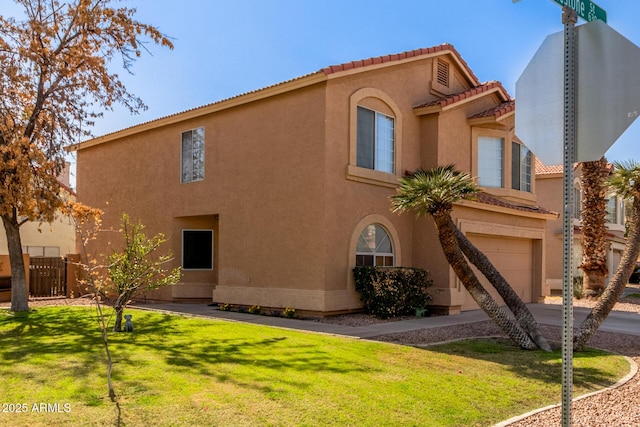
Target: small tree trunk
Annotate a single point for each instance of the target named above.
(19, 293)
(118, 325)
(459, 264)
(510, 297)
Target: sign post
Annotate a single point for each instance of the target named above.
(569, 19)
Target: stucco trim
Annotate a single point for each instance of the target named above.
(495, 229)
(311, 300)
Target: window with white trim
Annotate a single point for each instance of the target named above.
(192, 155)
(520, 167)
(374, 247)
(490, 161)
(197, 249)
(375, 141)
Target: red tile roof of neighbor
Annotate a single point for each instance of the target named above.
(542, 169)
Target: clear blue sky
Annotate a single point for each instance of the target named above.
(225, 48)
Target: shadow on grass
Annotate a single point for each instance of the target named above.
(546, 367)
(183, 344)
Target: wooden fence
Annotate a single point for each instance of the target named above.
(47, 277)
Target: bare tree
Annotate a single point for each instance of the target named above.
(54, 81)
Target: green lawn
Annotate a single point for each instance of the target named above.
(179, 371)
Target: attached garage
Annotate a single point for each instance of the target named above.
(514, 259)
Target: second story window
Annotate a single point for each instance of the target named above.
(520, 167)
(375, 141)
(192, 155)
(612, 210)
(490, 161)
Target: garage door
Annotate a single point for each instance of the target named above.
(514, 260)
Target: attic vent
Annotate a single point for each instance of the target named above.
(442, 73)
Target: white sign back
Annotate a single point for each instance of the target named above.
(608, 99)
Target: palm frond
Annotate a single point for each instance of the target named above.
(427, 191)
(625, 180)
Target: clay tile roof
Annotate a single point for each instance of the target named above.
(444, 48)
(491, 200)
(457, 97)
(498, 110)
(542, 169)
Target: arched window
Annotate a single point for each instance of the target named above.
(374, 247)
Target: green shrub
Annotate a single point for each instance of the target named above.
(578, 290)
(392, 291)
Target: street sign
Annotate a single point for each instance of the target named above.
(587, 10)
(608, 94)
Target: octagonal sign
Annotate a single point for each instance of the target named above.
(608, 94)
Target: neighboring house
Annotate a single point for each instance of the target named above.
(43, 239)
(549, 186)
(40, 240)
(271, 198)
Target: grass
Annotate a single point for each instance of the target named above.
(179, 371)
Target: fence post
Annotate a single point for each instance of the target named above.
(73, 271)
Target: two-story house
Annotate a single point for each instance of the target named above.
(549, 185)
(271, 197)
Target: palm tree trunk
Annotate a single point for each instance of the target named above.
(452, 252)
(612, 293)
(19, 293)
(594, 230)
(512, 300)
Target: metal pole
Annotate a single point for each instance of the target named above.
(569, 19)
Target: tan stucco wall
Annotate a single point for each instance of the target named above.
(263, 168)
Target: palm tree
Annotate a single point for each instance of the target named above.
(625, 182)
(433, 193)
(594, 231)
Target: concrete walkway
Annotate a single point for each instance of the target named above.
(545, 314)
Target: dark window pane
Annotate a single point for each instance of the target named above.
(197, 249)
(515, 166)
(366, 134)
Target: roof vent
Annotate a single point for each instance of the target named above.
(442, 73)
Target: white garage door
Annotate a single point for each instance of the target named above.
(514, 260)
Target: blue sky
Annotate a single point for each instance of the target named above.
(227, 47)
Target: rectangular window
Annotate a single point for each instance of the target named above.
(490, 162)
(197, 249)
(520, 167)
(577, 203)
(612, 211)
(192, 154)
(375, 141)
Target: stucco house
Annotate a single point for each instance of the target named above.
(549, 185)
(271, 197)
